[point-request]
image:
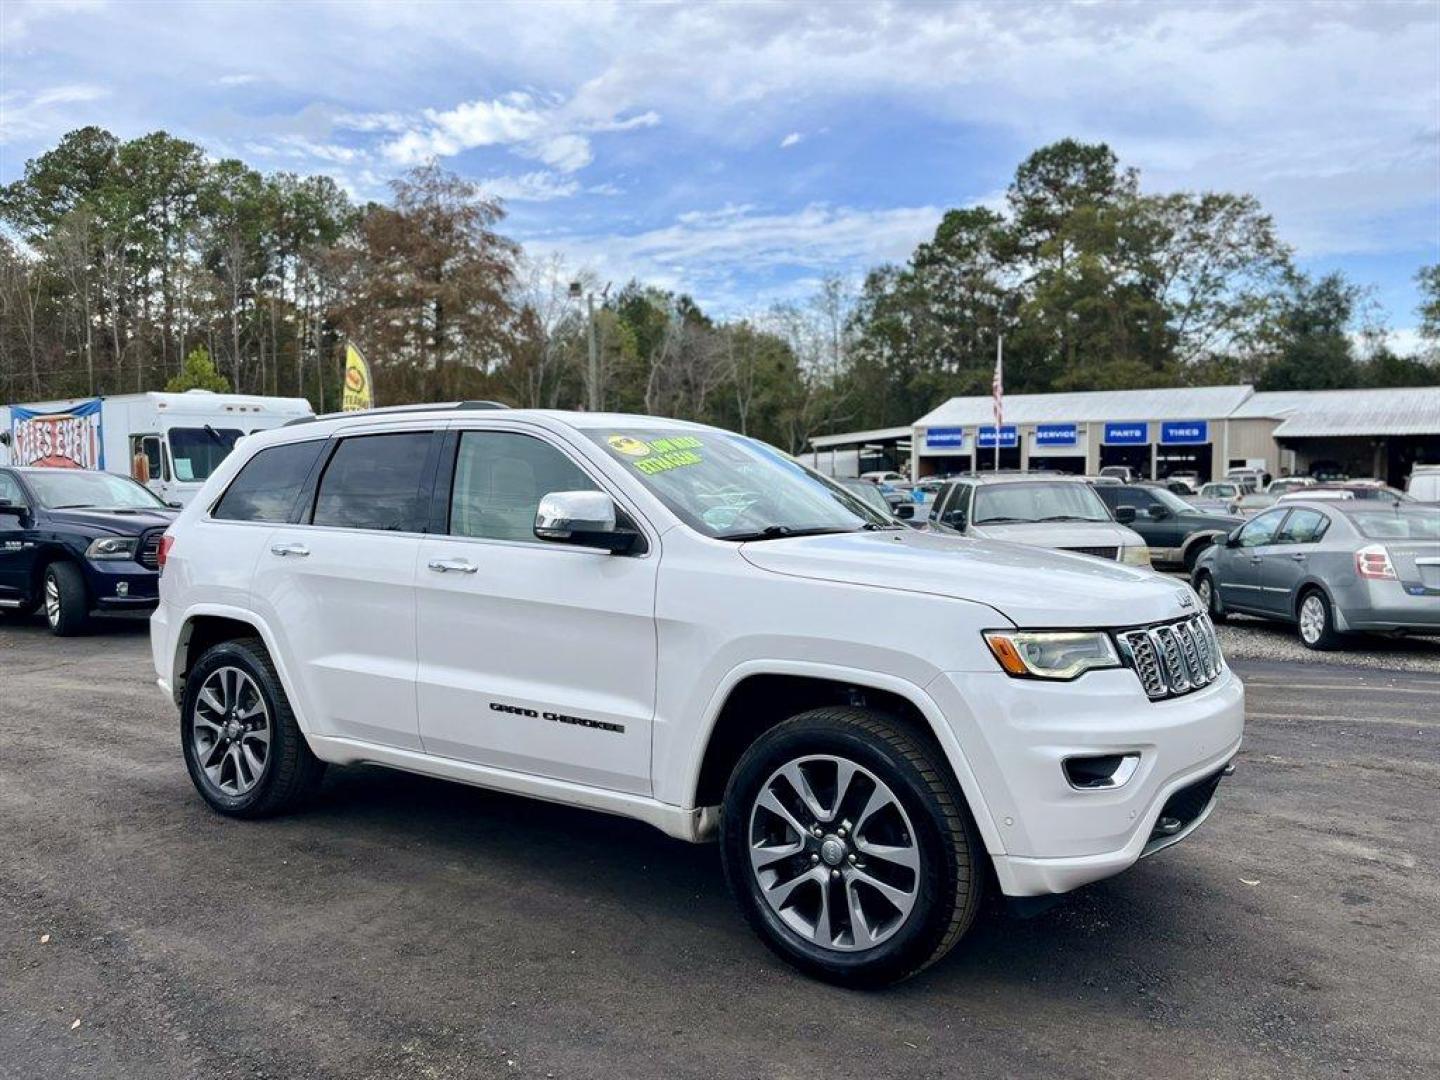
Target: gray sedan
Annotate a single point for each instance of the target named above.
(1329, 568)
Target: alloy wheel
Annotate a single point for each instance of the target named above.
(231, 731)
(1312, 619)
(52, 600)
(834, 853)
(1207, 593)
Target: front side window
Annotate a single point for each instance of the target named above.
(374, 482)
(1262, 529)
(999, 504)
(500, 478)
(79, 489)
(734, 488)
(10, 490)
(1303, 527)
(269, 483)
(196, 452)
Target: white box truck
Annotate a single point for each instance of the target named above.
(169, 442)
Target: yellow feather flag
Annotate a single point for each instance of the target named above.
(358, 392)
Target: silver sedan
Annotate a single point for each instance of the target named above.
(1329, 568)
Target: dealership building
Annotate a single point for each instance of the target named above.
(1205, 430)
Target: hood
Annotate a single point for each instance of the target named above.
(1061, 534)
(1214, 520)
(1033, 587)
(114, 522)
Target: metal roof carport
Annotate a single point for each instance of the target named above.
(850, 453)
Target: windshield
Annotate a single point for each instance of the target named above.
(997, 504)
(1171, 500)
(1417, 524)
(867, 493)
(734, 488)
(1219, 491)
(196, 452)
(77, 489)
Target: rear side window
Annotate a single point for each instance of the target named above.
(375, 482)
(269, 483)
(500, 478)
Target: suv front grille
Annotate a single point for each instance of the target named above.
(1172, 658)
(148, 553)
(1111, 553)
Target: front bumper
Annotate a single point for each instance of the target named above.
(122, 585)
(1017, 734)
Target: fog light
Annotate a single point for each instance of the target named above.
(122, 589)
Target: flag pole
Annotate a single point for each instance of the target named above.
(999, 383)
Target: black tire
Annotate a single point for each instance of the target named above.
(291, 772)
(1209, 596)
(1327, 638)
(948, 887)
(70, 614)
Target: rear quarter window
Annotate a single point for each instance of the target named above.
(268, 484)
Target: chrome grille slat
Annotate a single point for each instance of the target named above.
(1173, 658)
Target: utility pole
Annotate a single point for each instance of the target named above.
(594, 355)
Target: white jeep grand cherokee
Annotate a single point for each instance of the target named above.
(682, 625)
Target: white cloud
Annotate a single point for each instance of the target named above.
(530, 187)
(240, 79)
(28, 115)
(790, 140)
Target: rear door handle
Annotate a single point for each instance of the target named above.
(289, 549)
(459, 566)
(1299, 556)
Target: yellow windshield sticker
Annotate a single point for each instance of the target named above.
(658, 455)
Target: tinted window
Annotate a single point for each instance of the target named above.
(1303, 527)
(10, 490)
(500, 478)
(1262, 529)
(266, 488)
(374, 482)
(1139, 498)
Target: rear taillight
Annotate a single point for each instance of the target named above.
(1374, 562)
(163, 553)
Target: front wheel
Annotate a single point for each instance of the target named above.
(849, 847)
(67, 605)
(245, 753)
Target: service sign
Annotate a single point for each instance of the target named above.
(1180, 432)
(1056, 435)
(66, 440)
(1133, 433)
(1009, 436)
(945, 438)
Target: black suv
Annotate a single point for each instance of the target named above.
(78, 541)
(1175, 531)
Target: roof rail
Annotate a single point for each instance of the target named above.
(391, 410)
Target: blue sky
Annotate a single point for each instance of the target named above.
(741, 152)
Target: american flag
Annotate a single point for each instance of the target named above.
(997, 390)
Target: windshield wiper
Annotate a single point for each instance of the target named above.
(778, 532)
(1005, 521)
(75, 506)
(1067, 517)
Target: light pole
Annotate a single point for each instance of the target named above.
(593, 369)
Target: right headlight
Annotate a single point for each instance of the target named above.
(1051, 654)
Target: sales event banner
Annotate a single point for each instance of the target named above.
(66, 440)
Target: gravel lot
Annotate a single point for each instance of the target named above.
(410, 928)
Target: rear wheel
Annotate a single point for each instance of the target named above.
(245, 753)
(67, 606)
(1316, 621)
(849, 848)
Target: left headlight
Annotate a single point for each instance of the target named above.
(1052, 654)
(111, 547)
(1135, 555)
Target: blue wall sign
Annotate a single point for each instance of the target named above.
(1009, 436)
(1134, 433)
(945, 438)
(1174, 432)
(1056, 435)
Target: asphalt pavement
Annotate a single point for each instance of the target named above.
(405, 927)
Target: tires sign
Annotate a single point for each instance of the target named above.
(68, 439)
(1183, 432)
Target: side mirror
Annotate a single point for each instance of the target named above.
(905, 511)
(1232, 540)
(175, 505)
(15, 509)
(1125, 515)
(955, 519)
(583, 518)
(1157, 512)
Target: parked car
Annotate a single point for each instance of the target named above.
(1317, 493)
(1102, 479)
(1423, 483)
(1189, 480)
(870, 494)
(75, 542)
(1371, 488)
(1286, 484)
(1330, 568)
(1249, 476)
(885, 476)
(660, 620)
(1175, 531)
(1124, 473)
(1050, 511)
(1251, 503)
(1217, 496)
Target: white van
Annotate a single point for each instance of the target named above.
(1424, 483)
(169, 442)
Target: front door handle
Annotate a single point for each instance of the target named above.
(459, 566)
(1256, 559)
(289, 549)
(1299, 556)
